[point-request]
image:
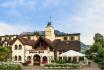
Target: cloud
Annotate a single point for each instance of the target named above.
(89, 19)
(51, 3)
(29, 4)
(6, 28)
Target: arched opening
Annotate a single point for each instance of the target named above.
(28, 60)
(36, 60)
(44, 61)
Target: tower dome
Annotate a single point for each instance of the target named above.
(49, 24)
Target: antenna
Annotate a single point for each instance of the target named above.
(50, 18)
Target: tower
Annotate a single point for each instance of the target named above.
(49, 32)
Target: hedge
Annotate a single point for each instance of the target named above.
(70, 66)
(10, 66)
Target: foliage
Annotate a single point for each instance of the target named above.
(96, 51)
(70, 66)
(9, 66)
(36, 33)
(4, 52)
(59, 61)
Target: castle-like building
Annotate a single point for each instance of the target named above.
(40, 49)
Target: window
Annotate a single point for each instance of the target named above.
(29, 58)
(9, 38)
(60, 52)
(0, 39)
(15, 58)
(15, 47)
(72, 38)
(65, 38)
(29, 37)
(20, 47)
(19, 58)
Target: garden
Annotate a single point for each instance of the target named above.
(10, 66)
(61, 64)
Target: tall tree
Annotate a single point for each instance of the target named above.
(4, 52)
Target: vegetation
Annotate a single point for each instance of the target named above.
(60, 66)
(9, 66)
(96, 51)
(4, 52)
(36, 33)
(59, 61)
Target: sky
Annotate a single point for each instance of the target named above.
(70, 16)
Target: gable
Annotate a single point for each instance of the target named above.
(43, 44)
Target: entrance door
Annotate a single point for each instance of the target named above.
(36, 60)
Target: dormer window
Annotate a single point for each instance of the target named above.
(65, 38)
(9, 38)
(29, 37)
(72, 38)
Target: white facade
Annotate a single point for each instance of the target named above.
(27, 51)
(21, 51)
(18, 52)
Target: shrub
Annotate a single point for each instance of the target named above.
(9, 66)
(72, 66)
(59, 61)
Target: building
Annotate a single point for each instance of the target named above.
(40, 49)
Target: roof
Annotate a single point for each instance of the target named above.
(45, 40)
(8, 35)
(25, 41)
(67, 45)
(72, 53)
(59, 45)
(10, 42)
(73, 34)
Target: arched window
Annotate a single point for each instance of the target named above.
(20, 47)
(15, 47)
(20, 58)
(15, 58)
(44, 60)
(29, 58)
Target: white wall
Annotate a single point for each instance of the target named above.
(18, 52)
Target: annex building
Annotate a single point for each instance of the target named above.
(40, 49)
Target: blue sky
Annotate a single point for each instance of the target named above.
(70, 16)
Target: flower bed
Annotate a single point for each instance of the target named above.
(10, 66)
(62, 66)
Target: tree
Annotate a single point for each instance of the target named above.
(4, 52)
(36, 33)
(97, 49)
(99, 43)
